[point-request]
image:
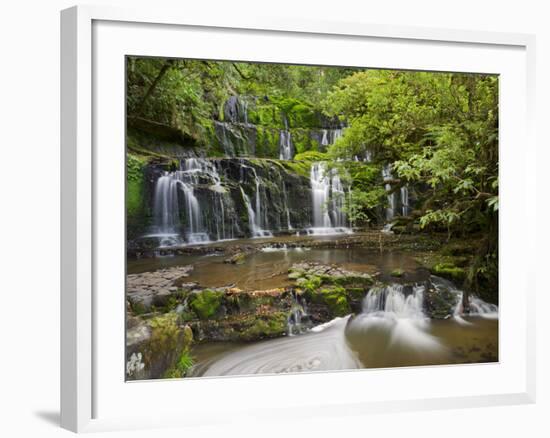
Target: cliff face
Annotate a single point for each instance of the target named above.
(220, 198)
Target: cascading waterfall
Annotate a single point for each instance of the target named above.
(255, 216)
(166, 211)
(178, 209)
(285, 145)
(328, 198)
(329, 136)
(393, 208)
(477, 307)
(395, 313)
(387, 176)
(287, 210)
(297, 317)
(405, 209)
(394, 300)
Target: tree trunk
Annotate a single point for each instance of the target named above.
(153, 85)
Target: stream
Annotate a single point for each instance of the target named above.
(391, 330)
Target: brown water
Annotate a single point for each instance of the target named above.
(345, 346)
(269, 269)
(384, 339)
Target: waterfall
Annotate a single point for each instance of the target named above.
(285, 145)
(236, 110)
(328, 137)
(297, 317)
(179, 210)
(393, 300)
(368, 156)
(254, 216)
(478, 307)
(395, 312)
(328, 198)
(324, 138)
(405, 209)
(287, 210)
(387, 176)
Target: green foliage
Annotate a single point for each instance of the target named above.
(206, 303)
(134, 185)
(181, 368)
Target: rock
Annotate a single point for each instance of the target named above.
(154, 288)
(397, 273)
(295, 275)
(236, 259)
(154, 346)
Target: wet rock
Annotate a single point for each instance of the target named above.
(236, 259)
(148, 289)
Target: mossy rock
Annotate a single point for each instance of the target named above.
(397, 272)
(450, 271)
(236, 259)
(335, 298)
(165, 342)
(265, 326)
(206, 304)
(439, 304)
(181, 367)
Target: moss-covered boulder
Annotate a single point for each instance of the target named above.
(206, 303)
(155, 345)
(450, 271)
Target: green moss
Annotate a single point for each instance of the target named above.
(138, 308)
(182, 366)
(167, 336)
(449, 270)
(301, 139)
(311, 156)
(398, 272)
(301, 168)
(266, 114)
(347, 280)
(311, 283)
(265, 326)
(336, 300)
(206, 303)
(135, 185)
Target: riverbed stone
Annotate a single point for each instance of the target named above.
(154, 288)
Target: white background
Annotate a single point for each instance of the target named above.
(29, 243)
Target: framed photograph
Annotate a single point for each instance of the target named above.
(250, 208)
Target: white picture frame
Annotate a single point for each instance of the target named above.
(87, 315)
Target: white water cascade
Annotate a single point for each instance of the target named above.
(477, 307)
(287, 210)
(329, 136)
(397, 203)
(405, 209)
(177, 209)
(387, 176)
(395, 313)
(285, 145)
(255, 216)
(328, 198)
